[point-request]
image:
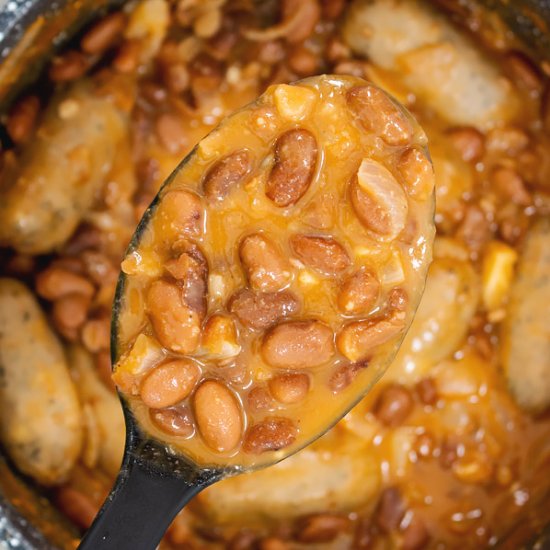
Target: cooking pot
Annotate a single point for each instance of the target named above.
(29, 31)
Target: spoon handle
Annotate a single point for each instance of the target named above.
(140, 508)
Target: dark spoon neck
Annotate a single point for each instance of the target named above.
(152, 487)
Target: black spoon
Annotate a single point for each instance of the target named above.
(155, 482)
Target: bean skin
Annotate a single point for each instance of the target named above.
(266, 268)
(55, 282)
(226, 174)
(325, 254)
(289, 388)
(359, 293)
(176, 325)
(292, 172)
(298, 345)
(218, 415)
(260, 310)
(377, 113)
(169, 383)
(271, 434)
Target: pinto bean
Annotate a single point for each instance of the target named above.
(289, 388)
(271, 434)
(469, 142)
(226, 174)
(378, 200)
(70, 312)
(304, 14)
(104, 34)
(417, 173)
(415, 536)
(292, 172)
(259, 399)
(22, 118)
(96, 334)
(174, 420)
(393, 405)
(298, 344)
(171, 132)
(321, 528)
(325, 254)
(377, 113)
(55, 282)
(390, 510)
(508, 182)
(359, 293)
(357, 340)
(169, 383)
(176, 324)
(181, 212)
(265, 266)
(260, 310)
(69, 66)
(345, 375)
(218, 415)
(427, 391)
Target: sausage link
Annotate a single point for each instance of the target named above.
(40, 415)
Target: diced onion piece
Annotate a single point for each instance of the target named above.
(144, 355)
(382, 188)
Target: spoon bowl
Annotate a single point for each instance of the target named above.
(345, 135)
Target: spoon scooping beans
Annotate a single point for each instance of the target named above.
(267, 288)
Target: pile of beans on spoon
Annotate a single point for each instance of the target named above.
(276, 273)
